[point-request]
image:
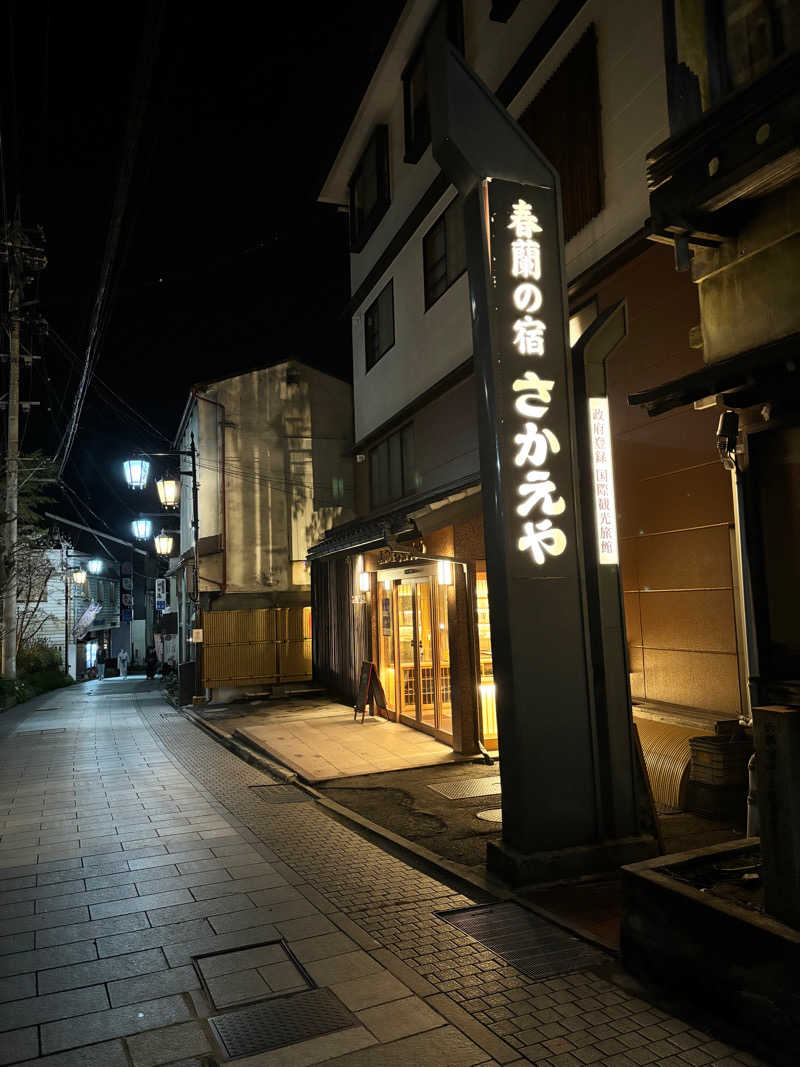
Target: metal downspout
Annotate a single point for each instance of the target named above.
(223, 506)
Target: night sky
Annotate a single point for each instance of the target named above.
(226, 261)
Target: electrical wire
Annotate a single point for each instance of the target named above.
(99, 319)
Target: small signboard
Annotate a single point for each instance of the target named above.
(161, 594)
(370, 691)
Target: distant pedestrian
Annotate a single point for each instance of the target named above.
(151, 662)
(100, 662)
(122, 663)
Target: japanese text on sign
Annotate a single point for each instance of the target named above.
(539, 501)
(604, 505)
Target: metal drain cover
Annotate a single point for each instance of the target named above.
(460, 788)
(278, 1023)
(282, 794)
(534, 946)
(490, 815)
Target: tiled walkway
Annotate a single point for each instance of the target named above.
(132, 843)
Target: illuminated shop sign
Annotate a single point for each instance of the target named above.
(531, 383)
(603, 478)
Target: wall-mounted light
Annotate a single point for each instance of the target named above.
(444, 572)
(137, 471)
(142, 528)
(169, 491)
(387, 584)
(79, 576)
(363, 581)
(163, 543)
(95, 566)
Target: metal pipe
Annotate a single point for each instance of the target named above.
(223, 505)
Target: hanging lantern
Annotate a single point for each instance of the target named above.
(95, 566)
(164, 543)
(79, 576)
(142, 528)
(169, 490)
(137, 471)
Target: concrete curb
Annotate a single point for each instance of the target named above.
(491, 886)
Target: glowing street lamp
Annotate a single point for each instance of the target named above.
(169, 490)
(164, 543)
(137, 471)
(95, 566)
(142, 528)
(79, 576)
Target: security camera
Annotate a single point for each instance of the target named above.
(727, 432)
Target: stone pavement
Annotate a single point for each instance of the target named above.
(132, 844)
(320, 740)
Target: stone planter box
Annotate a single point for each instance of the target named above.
(736, 962)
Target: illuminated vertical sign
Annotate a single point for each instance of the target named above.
(530, 379)
(605, 509)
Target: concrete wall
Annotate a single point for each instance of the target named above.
(430, 343)
(288, 476)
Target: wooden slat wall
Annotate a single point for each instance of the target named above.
(340, 629)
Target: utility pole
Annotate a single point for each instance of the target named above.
(22, 257)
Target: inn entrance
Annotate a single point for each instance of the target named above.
(414, 649)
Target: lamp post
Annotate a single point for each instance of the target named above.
(163, 543)
(142, 528)
(168, 487)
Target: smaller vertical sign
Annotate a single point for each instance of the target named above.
(605, 508)
(161, 594)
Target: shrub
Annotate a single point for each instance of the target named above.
(37, 656)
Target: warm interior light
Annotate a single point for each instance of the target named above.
(142, 528)
(387, 584)
(169, 491)
(95, 566)
(444, 572)
(163, 543)
(79, 577)
(137, 471)
(363, 581)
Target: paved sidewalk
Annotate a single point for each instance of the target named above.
(132, 844)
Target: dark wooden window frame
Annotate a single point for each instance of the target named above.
(372, 358)
(417, 139)
(406, 476)
(360, 234)
(563, 120)
(451, 277)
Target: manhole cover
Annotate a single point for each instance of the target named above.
(490, 815)
(534, 946)
(282, 794)
(281, 1022)
(460, 788)
(256, 972)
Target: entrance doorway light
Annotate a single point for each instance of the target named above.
(363, 581)
(444, 572)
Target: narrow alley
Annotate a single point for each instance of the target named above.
(153, 885)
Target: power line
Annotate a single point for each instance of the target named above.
(144, 71)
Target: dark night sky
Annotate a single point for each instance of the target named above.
(225, 261)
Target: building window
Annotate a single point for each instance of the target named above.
(369, 189)
(379, 326)
(337, 487)
(563, 121)
(391, 468)
(444, 252)
(416, 117)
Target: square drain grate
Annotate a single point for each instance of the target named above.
(460, 788)
(282, 794)
(252, 973)
(278, 1023)
(534, 946)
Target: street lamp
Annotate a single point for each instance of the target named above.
(164, 543)
(95, 566)
(79, 576)
(137, 471)
(142, 528)
(169, 490)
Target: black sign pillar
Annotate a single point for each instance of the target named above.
(554, 765)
